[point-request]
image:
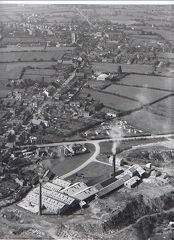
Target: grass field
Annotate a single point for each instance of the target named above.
(150, 122)
(14, 48)
(38, 74)
(115, 102)
(158, 82)
(143, 95)
(98, 84)
(46, 72)
(90, 171)
(31, 56)
(13, 70)
(165, 107)
(3, 93)
(132, 68)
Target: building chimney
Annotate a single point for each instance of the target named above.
(40, 198)
(114, 156)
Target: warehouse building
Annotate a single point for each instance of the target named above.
(86, 194)
(56, 195)
(74, 189)
(60, 182)
(52, 186)
(124, 176)
(110, 188)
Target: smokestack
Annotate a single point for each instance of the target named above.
(40, 198)
(114, 156)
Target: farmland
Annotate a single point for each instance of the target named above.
(164, 108)
(13, 70)
(111, 101)
(133, 68)
(31, 56)
(39, 74)
(148, 121)
(14, 48)
(143, 95)
(156, 82)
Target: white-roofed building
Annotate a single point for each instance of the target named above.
(53, 205)
(59, 196)
(87, 193)
(102, 77)
(140, 170)
(132, 182)
(60, 182)
(75, 188)
(52, 186)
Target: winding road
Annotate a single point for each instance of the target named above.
(96, 144)
(91, 159)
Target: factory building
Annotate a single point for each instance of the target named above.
(59, 196)
(140, 170)
(52, 186)
(110, 188)
(132, 171)
(56, 196)
(60, 182)
(123, 176)
(74, 189)
(86, 194)
(132, 182)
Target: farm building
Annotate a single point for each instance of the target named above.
(111, 187)
(132, 182)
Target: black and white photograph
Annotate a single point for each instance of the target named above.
(87, 120)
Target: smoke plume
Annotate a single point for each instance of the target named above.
(116, 133)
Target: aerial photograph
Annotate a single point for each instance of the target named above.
(87, 121)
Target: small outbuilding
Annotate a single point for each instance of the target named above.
(102, 77)
(132, 182)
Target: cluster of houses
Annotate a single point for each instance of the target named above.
(60, 196)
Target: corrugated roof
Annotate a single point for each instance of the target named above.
(87, 193)
(113, 186)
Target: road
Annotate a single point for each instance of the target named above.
(97, 148)
(93, 141)
(91, 159)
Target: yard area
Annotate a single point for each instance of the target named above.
(61, 166)
(93, 172)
